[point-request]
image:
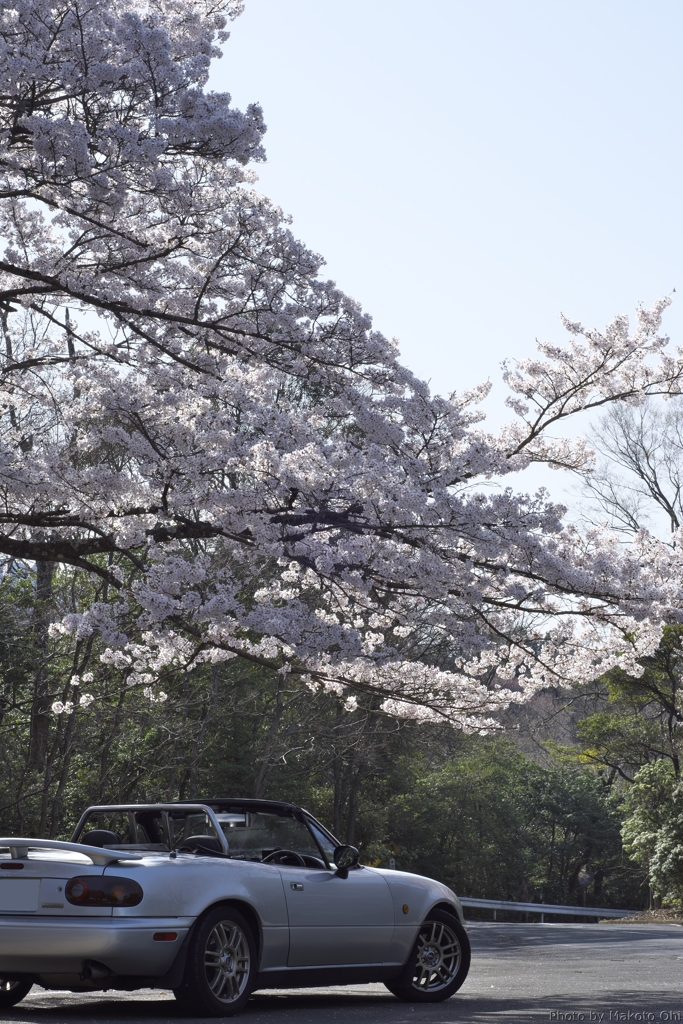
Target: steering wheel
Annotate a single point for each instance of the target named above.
(285, 857)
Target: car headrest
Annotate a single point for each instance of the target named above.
(100, 837)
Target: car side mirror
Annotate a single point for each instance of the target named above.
(345, 857)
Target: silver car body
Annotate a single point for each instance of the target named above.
(312, 924)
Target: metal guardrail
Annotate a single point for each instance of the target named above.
(545, 908)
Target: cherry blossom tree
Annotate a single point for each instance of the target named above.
(215, 433)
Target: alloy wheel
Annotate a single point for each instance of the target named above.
(227, 961)
(438, 957)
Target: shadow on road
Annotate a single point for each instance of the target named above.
(356, 1007)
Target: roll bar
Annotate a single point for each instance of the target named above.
(165, 809)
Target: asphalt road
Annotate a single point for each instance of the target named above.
(520, 972)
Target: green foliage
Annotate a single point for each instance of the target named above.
(653, 829)
(634, 737)
(639, 721)
(494, 824)
(619, 739)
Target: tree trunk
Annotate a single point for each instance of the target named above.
(338, 774)
(271, 738)
(189, 782)
(353, 807)
(40, 712)
(56, 813)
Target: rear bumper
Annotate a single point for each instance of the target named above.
(48, 945)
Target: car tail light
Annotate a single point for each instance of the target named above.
(165, 936)
(103, 891)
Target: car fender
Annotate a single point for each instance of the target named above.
(413, 897)
(188, 886)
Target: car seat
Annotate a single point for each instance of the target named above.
(100, 837)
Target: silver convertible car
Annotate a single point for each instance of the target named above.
(215, 899)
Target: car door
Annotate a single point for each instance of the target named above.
(335, 920)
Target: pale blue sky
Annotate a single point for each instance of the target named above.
(470, 168)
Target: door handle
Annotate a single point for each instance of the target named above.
(296, 886)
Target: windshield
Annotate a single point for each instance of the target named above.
(255, 835)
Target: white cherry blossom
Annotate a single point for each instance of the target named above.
(213, 431)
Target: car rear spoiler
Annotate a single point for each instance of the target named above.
(18, 849)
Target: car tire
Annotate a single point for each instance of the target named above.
(438, 962)
(12, 992)
(221, 965)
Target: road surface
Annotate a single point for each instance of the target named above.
(520, 972)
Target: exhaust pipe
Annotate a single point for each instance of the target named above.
(94, 971)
